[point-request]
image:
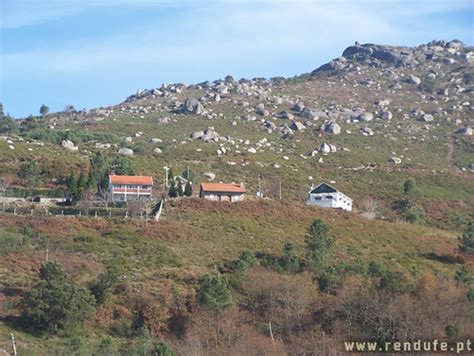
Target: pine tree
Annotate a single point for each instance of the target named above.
(122, 166)
(188, 189)
(91, 181)
(81, 184)
(188, 174)
(214, 294)
(173, 191)
(180, 189)
(72, 186)
(170, 175)
(55, 302)
(318, 246)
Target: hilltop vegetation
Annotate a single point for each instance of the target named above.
(390, 127)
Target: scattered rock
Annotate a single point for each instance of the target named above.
(412, 79)
(69, 145)
(192, 106)
(297, 126)
(209, 175)
(125, 151)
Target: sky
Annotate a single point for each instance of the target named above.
(97, 52)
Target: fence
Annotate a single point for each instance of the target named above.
(107, 213)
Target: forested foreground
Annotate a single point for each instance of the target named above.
(299, 297)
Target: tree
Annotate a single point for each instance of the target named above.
(170, 175)
(44, 110)
(467, 239)
(7, 124)
(188, 174)
(72, 186)
(180, 189)
(290, 262)
(122, 166)
(229, 79)
(105, 282)
(30, 173)
(54, 302)
(173, 191)
(188, 189)
(214, 294)
(98, 174)
(81, 184)
(412, 211)
(318, 246)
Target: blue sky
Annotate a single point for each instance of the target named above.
(97, 52)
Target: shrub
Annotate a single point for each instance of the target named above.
(104, 283)
(214, 293)
(467, 239)
(163, 349)
(30, 173)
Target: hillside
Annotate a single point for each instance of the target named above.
(365, 122)
(196, 238)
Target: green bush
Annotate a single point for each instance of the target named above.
(467, 239)
(54, 302)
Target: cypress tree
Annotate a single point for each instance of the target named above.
(180, 189)
(188, 189)
(173, 191)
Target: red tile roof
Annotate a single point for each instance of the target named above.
(132, 180)
(223, 187)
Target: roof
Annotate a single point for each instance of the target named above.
(223, 187)
(325, 188)
(138, 180)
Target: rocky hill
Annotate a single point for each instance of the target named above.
(365, 122)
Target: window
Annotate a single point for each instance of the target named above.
(328, 197)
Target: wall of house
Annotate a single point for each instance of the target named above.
(222, 196)
(337, 201)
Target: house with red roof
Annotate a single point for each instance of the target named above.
(126, 188)
(230, 192)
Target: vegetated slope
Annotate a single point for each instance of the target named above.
(365, 123)
(194, 238)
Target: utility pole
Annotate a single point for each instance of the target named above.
(271, 332)
(166, 168)
(14, 345)
(259, 194)
(47, 254)
(279, 190)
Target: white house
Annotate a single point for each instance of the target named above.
(326, 196)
